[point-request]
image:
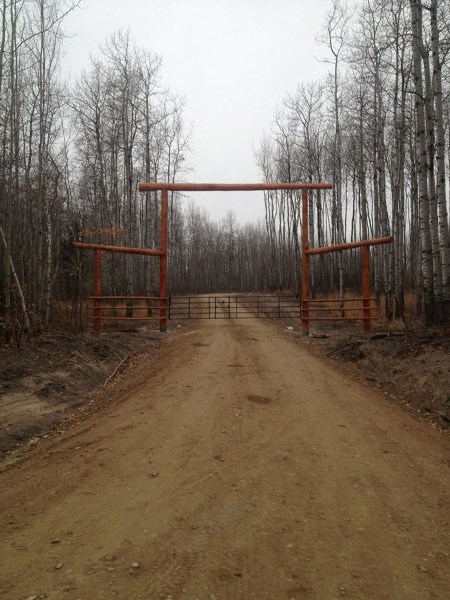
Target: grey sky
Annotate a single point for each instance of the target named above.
(232, 60)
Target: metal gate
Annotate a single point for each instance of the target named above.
(234, 307)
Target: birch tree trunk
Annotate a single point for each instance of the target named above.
(430, 147)
(422, 166)
(23, 305)
(440, 160)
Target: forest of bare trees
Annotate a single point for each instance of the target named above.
(73, 153)
(72, 156)
(378, 128)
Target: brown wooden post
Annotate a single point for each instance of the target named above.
(305, 263)
(97, 291)
(163, 262)
(365, 270)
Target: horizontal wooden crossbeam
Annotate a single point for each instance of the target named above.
(122, 249)
(231, 187)
(349, 245)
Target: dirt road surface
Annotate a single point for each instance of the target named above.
(235, 465)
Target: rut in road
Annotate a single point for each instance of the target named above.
(235, 465)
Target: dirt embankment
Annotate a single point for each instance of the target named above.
(410, 366)
(53, 375)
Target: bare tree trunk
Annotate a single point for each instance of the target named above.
(430, 147)
(440, 160)
(398, 194)
(48, 268)
(422, 166)
(362, 174)
(7, 185)
(16, 281)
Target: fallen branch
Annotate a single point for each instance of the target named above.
(116, 369)
(355, 343)
(443, 417)
(383, 381)
(378, 336)
(16, 280)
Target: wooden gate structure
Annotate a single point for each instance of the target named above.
(306, 302)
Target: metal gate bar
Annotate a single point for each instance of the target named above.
(234, 307)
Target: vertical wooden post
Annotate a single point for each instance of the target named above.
(97, 291)
(305, 263)
(163, 263)
(365, 270)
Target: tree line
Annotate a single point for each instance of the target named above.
(378, 127)
(72, 154)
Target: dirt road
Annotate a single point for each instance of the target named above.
(234, 466)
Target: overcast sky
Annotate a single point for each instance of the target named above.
(232, 60)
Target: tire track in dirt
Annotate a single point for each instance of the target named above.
(235, 466)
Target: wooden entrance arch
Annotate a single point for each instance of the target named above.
(164, 188)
